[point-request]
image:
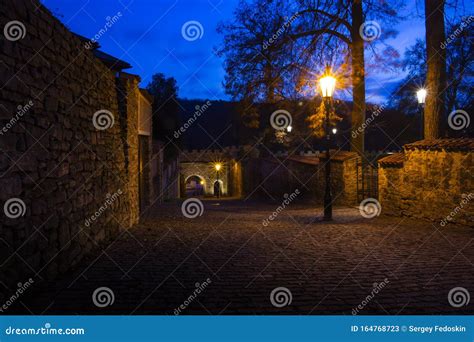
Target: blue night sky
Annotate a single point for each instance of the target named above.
(148, 36)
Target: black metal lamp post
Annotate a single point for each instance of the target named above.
(421, 96)
(328, 84)
(218, 167)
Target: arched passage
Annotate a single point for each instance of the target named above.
(194, 186)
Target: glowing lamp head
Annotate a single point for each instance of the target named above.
(421, 95)
(289, 128)
(328, 85)
(218, 166)
(201, 182)
(334, 130)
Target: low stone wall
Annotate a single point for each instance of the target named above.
(66, 185)
(431, 180)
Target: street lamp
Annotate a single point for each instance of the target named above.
(328, 85)
(218, 166)
(421, 96)
(289, 128)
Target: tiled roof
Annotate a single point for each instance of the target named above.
(450, 144)
(305, 159)
(340, 155)
(395, 159)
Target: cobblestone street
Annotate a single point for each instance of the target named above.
(329, 268)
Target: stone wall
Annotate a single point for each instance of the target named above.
(280, 176)
(75, 185)
(431, 180)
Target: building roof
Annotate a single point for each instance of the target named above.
(340, 155)
(395, 160)
(312, 160)
(449, 144)
(110, 61)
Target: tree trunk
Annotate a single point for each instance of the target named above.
(358, 77)
(436, 73)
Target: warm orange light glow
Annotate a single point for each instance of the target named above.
(328, 85)
(218, 166)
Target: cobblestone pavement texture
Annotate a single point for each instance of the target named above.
(329, 268)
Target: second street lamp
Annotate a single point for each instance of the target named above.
(218, 192)
(328, 85)
(421, 96)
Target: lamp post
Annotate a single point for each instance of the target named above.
(421, 96)
(328, 85)
(218, 167)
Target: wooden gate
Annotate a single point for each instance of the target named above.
(367, 180)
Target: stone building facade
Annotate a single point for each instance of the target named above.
(69, 146)
(430, 179)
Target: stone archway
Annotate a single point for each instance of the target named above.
(194, 186)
